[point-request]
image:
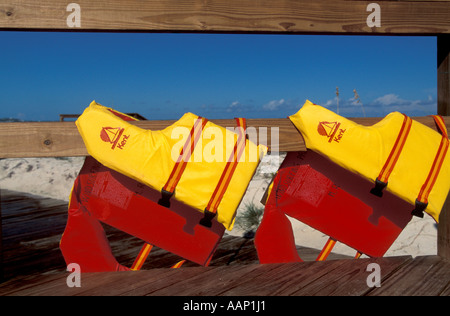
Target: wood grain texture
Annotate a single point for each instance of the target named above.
(33, 225)
(61, 139)
(2, 269)
(443, 74)
(263, 16)
(423, 276)
(443, 80)
(402, 276)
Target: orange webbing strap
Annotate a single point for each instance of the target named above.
(185, 154)
(141, 257)
(233, 160)
(326, 249)
(382, 179)
(422, 199)
(178, 265)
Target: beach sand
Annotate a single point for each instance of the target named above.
(54, 177)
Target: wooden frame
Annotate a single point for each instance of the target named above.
(402, 17)
(231, 16)
(443, 64)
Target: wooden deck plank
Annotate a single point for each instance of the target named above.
(234, 269)
(428, 275)
(400, 276)
(340, 277)
(133, 281)
(58, 286)
(285, 279)
(276, 277)
(446, 291)
(26, 283)
(350, 277)
(33, 227)
(163, 279)
(211, 282)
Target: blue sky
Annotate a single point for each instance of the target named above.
(162, 76)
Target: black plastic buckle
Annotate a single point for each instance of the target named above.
(419, 209)
(207, 219)
(165, 198)
(379, 187)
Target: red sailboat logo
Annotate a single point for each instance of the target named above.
(328, 129)
(111, 135)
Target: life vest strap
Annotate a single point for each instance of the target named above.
(382, 180)
(422, 199)
(178, 264)
(358, 255)
(326, 249)
(141, 257)
(227, 174)
(169, 188)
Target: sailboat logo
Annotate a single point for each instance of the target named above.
(111, 135)
(328, 129)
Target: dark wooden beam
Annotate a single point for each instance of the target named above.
(443, 70)
(1, 242)
(248, 16)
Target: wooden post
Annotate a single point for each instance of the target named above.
(1, 242)
(443, 82)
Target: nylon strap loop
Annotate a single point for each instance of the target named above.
(383, 177)
(178, 264)
(422, 199)
(225, 179)
(195, 134)
(326, 249)
(141, 257)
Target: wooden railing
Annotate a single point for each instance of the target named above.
(231, 16)
(61, 139)
(352, 17)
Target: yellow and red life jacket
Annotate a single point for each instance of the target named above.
(403, 155)
(201, 164)
(329, 198)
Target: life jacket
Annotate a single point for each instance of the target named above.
(101, 195)
(404, 156)
(203, 165)
(323, 195)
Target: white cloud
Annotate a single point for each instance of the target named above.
(389, 99)
(383, 105)
(355, 102)
(331, 102)
(233, 106)
(274, 105)
(392, 102)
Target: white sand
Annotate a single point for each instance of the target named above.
(53, 177)
(50, 177)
